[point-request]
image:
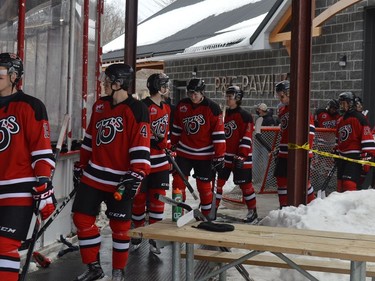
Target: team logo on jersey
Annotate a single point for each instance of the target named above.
(107, 129)
(192, 124)
(159, 126)
(367, 131)
(183, 108)
(329, 124)
(284, 121)
(46, 130)
(344, 132)
(8, 127)
(229, 128)
(99, 108)
(153, 111)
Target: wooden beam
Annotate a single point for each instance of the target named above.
(285, 19)
(277, 36)
(284, 36)
(332, 11)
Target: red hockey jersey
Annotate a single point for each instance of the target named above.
(159, 122)
(198, 130)
(239, 127)
(324, 120)
(25, 145)
(284, 131)
(354, 134)
(117, 140)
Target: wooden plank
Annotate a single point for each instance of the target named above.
(332, 11)
(286, 36)
(355, 247)
(330, 266)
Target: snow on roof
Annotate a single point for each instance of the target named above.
(162, 26)
(237, 34)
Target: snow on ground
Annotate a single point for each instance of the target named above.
(343, 212)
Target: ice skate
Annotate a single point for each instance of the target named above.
(118, 275)
(94, 272)
(251, 217)
(154, 248)
(136, 242)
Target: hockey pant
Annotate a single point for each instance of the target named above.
(283, 192)
(90, 240)
(9, 259)
(155, 207)
(346, 185)
(248, 193)
(204, 189)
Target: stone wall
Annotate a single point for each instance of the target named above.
(257, 71)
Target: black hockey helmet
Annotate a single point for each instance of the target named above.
(349, 97)
(238, 93)
(196, 85)
(121, 73)
(333, 104)
(282, 86)
(358, 100)
(13, 63)
(156, 81)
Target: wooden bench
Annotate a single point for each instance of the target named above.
(281, 242)
(329, 266)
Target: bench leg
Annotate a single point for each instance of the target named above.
(357, 271)
(229, 265)
(189, 262)
(176, 261)
(223, 275)
(295, 266)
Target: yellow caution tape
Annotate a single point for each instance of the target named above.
(306, 146)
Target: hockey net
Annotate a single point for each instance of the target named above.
(264, 165)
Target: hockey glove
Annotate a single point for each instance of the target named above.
(77, 172)
(129, 184)
(238, 161)
(43, 197)
(157, 141)
(218, 163)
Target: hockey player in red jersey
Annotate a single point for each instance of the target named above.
(198, 135)
(327, 117)
(158, 179)
(26, 162)
(239, 127)
(283, 91)
(354, 138)
(115, 152)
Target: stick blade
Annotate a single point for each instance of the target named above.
(185, 219)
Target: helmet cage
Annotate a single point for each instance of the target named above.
(13, 64)
(236, 91)
(157, 81)
(348, 97)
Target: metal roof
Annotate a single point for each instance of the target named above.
(204, 29)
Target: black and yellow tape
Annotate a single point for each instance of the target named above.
(306, 146)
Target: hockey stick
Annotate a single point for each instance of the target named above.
(58, 210)
(195, 213)
(181, 174)
(322, 191)
(71, 247)
(212, 214)
(37, 223)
